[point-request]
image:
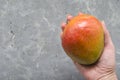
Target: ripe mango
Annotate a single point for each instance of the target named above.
(83, 39)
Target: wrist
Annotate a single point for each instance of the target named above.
(110, 76)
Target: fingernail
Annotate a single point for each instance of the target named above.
(80, 13)
(103, 21)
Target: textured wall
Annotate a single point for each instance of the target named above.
(30, 47)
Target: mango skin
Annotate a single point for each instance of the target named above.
(83, 39)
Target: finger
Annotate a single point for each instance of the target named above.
(61, 35)
(79, 67)
(69, 17)
(107, 36)
(80, 13)
(63, 26)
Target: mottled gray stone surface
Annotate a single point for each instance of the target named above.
(30, 47)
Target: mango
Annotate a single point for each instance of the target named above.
(83, 39)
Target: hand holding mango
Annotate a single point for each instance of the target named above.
(83, 39)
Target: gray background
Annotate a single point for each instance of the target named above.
(30, 45)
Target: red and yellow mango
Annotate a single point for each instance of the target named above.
(83, 39)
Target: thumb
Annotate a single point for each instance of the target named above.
(108, 41)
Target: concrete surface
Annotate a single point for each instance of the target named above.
(30, 47)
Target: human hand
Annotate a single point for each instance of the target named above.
(104, 69)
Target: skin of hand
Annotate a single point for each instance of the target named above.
(104, 69)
